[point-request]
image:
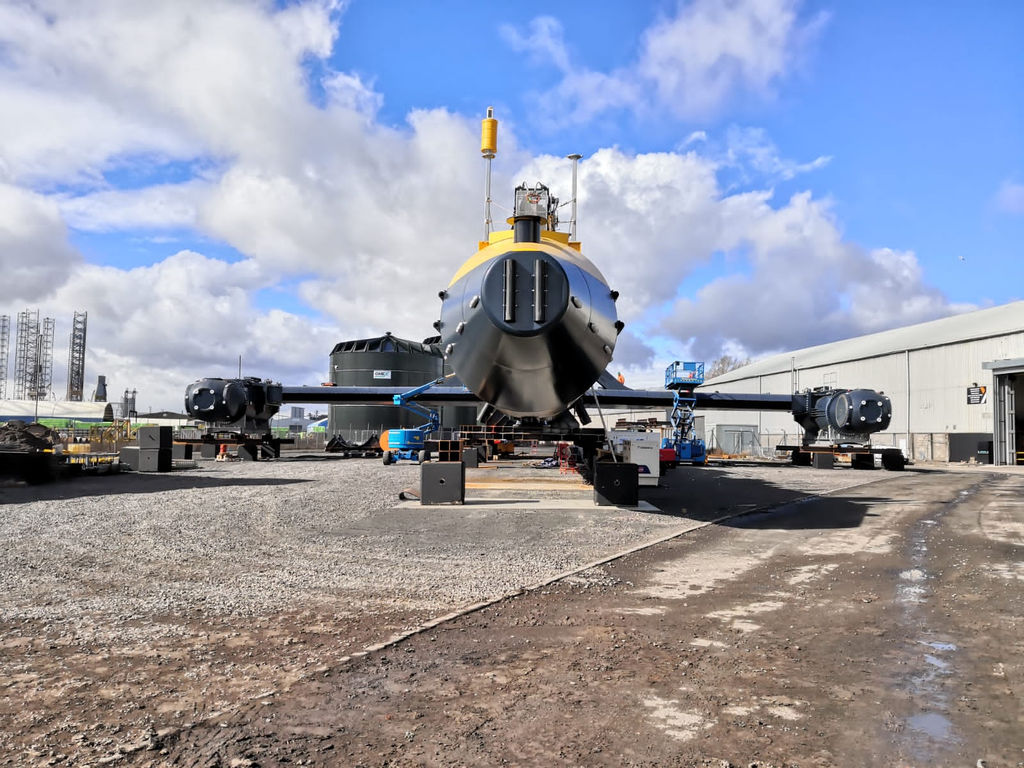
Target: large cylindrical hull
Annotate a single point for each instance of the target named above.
(528, 326)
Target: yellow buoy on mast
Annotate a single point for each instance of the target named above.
(488, 148)
(489, 134)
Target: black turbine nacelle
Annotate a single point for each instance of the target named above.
(251, 401)
(852, 412)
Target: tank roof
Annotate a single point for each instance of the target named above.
(387, 343)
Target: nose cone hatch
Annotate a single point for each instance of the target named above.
(525, 292)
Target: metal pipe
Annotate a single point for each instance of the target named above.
(604, 426)
(572, 221)
(487, 197)
(526, 230)
(538, 291)
(910, 439)
(510, 291)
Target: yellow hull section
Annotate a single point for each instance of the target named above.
(553, 243)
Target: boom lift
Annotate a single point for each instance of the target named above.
(681, 378)
(410, 444)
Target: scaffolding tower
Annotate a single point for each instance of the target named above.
(5, 348)
(25, 353)
(76, 357)
(44, 367)
(33, 358)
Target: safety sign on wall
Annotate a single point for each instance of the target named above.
(977, 395)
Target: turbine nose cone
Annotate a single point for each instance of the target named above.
(528, 326)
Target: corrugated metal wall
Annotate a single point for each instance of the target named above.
(928, 388)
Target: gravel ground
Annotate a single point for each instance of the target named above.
(252, 538)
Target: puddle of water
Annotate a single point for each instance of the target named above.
(935, 661)
(935, 645)
(910, 594)
(1008, 571)
(932, 724)
(914, 574)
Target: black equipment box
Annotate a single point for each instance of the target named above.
(181, 451)
(471, 457)
(128, 457)
(616, 484)
(823, 459)
(154, 437)
(248, 452)
(154, 460)
(442, 482)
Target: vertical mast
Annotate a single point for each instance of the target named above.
(572, 221)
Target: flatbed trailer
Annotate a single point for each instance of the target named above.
(249, 447)
(861, 456)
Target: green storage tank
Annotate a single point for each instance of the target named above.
(387, 361)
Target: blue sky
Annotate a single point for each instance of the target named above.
(919, 105)
(282, 168)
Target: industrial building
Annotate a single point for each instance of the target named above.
(953, 384)
(387, 361)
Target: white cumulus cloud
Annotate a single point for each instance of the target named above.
(691, 64)
(35, 255)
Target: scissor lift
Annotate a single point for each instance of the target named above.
(682, 378)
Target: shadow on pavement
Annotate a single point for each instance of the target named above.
(704, 494)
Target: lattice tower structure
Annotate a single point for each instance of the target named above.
(44, 367)
(76, 356)
(5, 348)
(26, 353)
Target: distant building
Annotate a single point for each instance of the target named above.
(294, 420)
(954, 384)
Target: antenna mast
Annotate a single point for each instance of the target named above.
(572, 221)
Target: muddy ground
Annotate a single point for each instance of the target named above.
(877, 625)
